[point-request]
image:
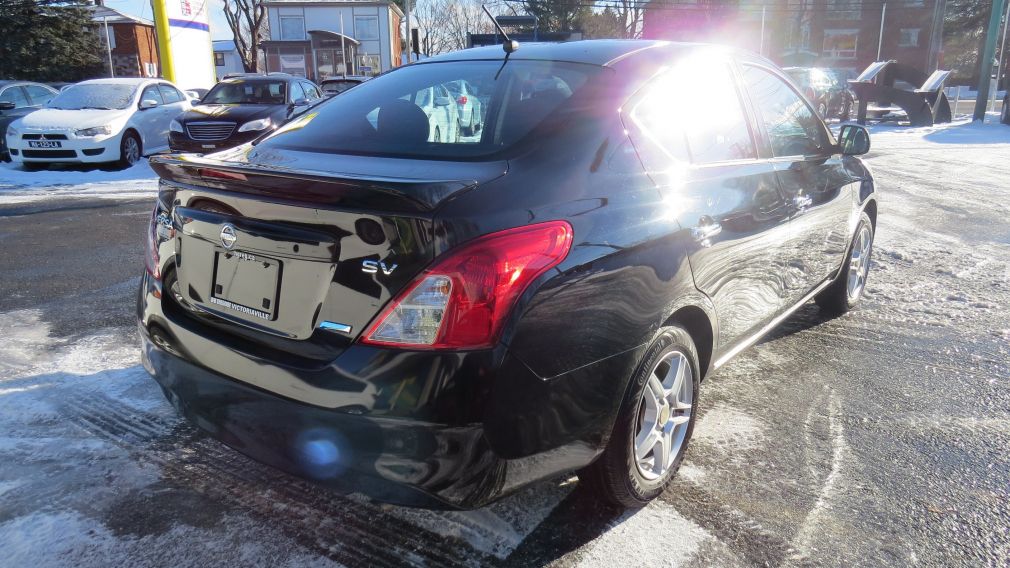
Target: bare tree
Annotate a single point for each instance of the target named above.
(444, 24)
(247, 20)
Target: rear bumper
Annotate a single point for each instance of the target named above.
(438, 430)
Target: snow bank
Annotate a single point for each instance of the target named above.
(18, 186)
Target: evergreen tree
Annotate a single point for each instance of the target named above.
(49, 40)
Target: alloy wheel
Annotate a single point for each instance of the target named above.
(859, 263)
(664, 415)
(131, 150)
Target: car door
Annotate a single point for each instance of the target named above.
(175, 104)
(697, 140)
(148, 121)
(812, 176)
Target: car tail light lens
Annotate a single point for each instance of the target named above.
(462, 100)
(152, 260)
(464, 298)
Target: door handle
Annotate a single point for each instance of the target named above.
(706, 229)
(801, 202)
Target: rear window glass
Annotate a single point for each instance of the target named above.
(414, 111)
(238, 91)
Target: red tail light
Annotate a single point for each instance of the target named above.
(152, 260)
(462, 100)
(463, 300)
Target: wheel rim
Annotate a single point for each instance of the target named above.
(859, 262)
(664, 415)
(131, 150)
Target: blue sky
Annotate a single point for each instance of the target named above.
(142, 8)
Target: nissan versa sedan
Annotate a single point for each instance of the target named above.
(98, 121)
(439, 323)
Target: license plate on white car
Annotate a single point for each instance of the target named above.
(44, 144)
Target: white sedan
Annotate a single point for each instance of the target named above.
(103, 120)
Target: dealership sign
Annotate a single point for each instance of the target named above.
(184, 42)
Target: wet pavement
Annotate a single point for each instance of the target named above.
(880, 437)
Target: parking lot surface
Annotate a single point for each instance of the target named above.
(879, 437)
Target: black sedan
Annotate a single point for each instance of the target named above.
(17, 99)
(238, 110)
(442, 322)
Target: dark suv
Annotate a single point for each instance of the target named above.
(442, 322)
(239, 109)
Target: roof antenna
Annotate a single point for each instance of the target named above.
(509, 45)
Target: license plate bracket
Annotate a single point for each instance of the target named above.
(246, 283)
(45, 144)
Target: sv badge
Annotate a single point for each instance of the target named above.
(373, 266)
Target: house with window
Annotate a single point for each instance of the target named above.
(131, 39)
(325, 38)
(226, 58)
(842, 34)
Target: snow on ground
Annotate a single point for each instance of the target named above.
(18, 186)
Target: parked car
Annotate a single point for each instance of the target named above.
(441, 322)
(17, 99)
(239, 109)
(441, 109)
(468, 106)
(103, 120)
(828, 89)
(337, 85)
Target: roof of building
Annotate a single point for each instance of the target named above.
(392, 5)
(224, 45)
(100, 13)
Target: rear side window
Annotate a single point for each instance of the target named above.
(170, 94)
(411, 112)
(792, 126)
(297, 93)
(694, 111)
(39, 95)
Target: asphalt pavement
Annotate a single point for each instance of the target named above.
(877, 438)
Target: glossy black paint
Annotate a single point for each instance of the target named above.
(464, 428)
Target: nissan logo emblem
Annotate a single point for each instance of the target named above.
(228, 236)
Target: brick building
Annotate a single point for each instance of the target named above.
(134, 47)
(840, 34)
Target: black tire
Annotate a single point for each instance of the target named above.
(615, 476)
(836, 299)
(127, 157)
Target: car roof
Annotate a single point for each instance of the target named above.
(6, 82)
(358, 78)
(604, 52)
(123, 81)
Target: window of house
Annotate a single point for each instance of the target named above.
(219, 60)
(366, 27)
(841, 44)
(842, 10)
(909, 37)
(694, 113)
(292, 27)
(793, 128)
(109, 36)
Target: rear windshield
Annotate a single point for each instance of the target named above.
(338, 86)
(415, 111)
(239, 92)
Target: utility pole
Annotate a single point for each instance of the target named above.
(108, 46)
(343, 50)
(936, 36)
(880, 39)
(761, 45)
(406, 9)
(985, 60)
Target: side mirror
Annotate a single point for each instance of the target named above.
(853, 140)
(300, 102)
(7, 105)
(148, 103)
(442, 101)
